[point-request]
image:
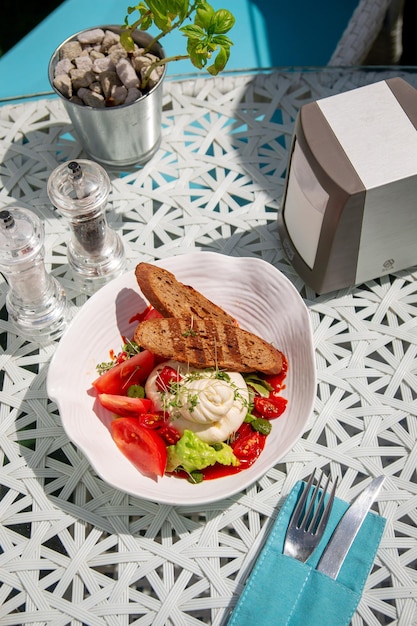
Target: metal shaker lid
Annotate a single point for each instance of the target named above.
(78, 188)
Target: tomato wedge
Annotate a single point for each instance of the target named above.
(148, 314)
(125, 406)
(144, 448)
(248, 445)
(134, 371)
(269, 408)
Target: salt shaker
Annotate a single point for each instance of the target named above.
(36, 302)
(79, 191)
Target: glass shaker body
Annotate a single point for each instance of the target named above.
(36, 302)
(79, 191)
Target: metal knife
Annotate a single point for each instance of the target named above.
(339, 545)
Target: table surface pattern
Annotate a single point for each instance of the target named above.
(73, 550)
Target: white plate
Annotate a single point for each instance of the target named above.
(251, 290)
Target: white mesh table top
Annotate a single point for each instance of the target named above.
(73, 550)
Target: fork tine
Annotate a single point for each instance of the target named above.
(307, 525)
(301, 502)
(327, 510)
(312, 526)
(302, 536)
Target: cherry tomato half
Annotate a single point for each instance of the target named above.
(144, 448)
(167, 376)
(269, 408)
(169, 434)
(125, 406)
(134, 371)
(248, 445)
(152, 420)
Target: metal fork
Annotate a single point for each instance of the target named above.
(306, 526)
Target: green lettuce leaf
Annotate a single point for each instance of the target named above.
(190, 454)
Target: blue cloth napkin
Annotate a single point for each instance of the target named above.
(282, 591)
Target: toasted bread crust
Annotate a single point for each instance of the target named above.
(207, 343)
(174, 299)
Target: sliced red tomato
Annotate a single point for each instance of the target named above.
(144, 448)
(248, 445)
(152, 314)
(269, 408)
(169, 434)
(125, 406)
(167, 376)
(134, 371)
(148, 314)
(276, 380)
(279, 401)
(152, 420)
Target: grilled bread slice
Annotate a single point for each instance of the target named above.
(208, 343)
(174, 299)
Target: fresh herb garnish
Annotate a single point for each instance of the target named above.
(129, 349)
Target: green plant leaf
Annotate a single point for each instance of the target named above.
(222, 40)
(127, 41)
(205, 36)
(198, 59)
(204, 15)
(195, 32)
(223, 21)
(219, 62)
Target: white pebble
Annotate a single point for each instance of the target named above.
(83, 63)
(127, 74)
(109, 80)
(63, 83)
(119, 94)
(133, 94)
(110, 39)
(70, 50)
(81, 78)
(103, 65)
(63, 67)
(90, 37)
(90, 98)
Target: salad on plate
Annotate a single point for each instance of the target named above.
(191, 395)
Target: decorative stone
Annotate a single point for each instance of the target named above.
(117, 52)
(76, 100)
(96, 70)
(103, 64)
(63, 83)
(90, 37)
(127, 74)
(110, 39)
(90, 98)
(63, 67)
(96, 54)
(83, 62)
(155, 76)
(70, 50)
(81, 78)
(119, 94)
(96, 87)
(132, 95)
(108, 81)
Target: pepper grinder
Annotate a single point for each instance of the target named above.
(79, 191)
(36, 302)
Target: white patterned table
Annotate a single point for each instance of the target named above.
(74, 550)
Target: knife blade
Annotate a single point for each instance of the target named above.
(344, 535)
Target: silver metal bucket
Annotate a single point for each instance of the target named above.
(122, 135)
